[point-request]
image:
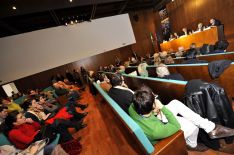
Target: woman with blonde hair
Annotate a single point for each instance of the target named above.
(157, 61)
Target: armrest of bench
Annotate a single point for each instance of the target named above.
(172, 145)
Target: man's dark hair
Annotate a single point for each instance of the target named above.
(101, 77)
(191, 54)
(221, 45)
(143, 101)
(2, 108)
(116, 79)
(10, 119)
(1, 99)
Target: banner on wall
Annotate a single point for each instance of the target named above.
(165, 23)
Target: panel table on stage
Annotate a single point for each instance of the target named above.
(208, 36)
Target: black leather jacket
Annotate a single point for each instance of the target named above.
(210, 101)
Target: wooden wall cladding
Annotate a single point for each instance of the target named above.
(148, 21)
(188, 13)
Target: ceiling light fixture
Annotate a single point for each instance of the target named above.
(14, 8)
(70, 0)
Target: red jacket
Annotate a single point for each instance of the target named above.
(22, 135)
(61, 114)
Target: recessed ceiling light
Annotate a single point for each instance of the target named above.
(14, 8)
(70, 0)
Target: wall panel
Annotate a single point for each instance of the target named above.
(188, 13)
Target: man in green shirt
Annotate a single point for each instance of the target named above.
(166, 123)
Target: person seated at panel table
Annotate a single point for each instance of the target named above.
(172, 37)
(160, 121)
(200, 27)
(120, 92)
(214, 22)
(220, 47)
(186, 32)
(163, 72)
(176, 35)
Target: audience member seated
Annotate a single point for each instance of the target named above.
(192, 52)
(220, 46)
(163, 72)
(32, 93)
(200, 27)
(180, 52)
(142, 69)
(104, 82)
(159, 121)
(68, 86)
(3, 114)
(214, 22)
(15, 95)
(49, 105)
(163, 54)
(77, 77)
(69, 76)
(23, 131)
(206, 49)
(11, 106)
(117, 61)
(59, 77)
(120, 92)
(133, 61)
(121, 69)
(191, 58)
(169, 60)
(126, 64)
(35, 111)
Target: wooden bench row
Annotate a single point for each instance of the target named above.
(210, 57)
(197, 71)
(164, 147)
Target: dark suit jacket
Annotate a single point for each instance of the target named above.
(122, 97)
